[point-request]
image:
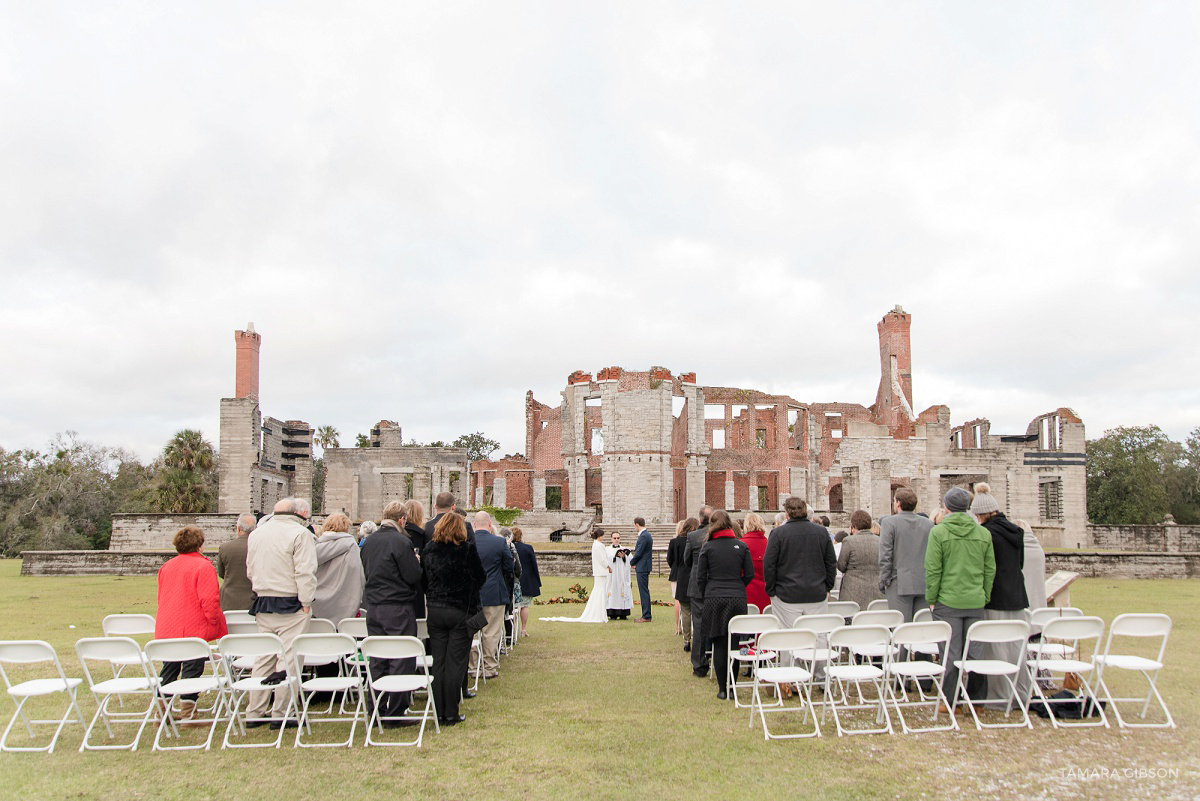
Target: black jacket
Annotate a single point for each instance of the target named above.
(691, 560)
(726, 567)
(416, 535)
(531, 581)
(675, 557)
(392, 570)
(451, 575)
(799, 566)
(1008, 543)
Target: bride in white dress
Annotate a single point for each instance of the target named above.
(594, 612)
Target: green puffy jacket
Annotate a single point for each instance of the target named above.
(959, 563)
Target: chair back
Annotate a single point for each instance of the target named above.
(234, 646)
(879, 617)
(784, 640)
(391, 647)
(1140, 625)
(323, 645)
(238, 616)
(422, 628)
(858, 636)
(878, 603)
(27, 652)
(821, 624)
(319, 625)
(182, 649)
(752, 624)
(843, 608)
(242, 627)
(769, 610)
(752, 609)
(1039, 617)
(123, 650)
(923, 614)
(127, 625)
(997, 631)
(1069, 629)
(931, 631)
(354, 626)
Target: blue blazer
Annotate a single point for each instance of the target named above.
(498, 565)
(643, 553)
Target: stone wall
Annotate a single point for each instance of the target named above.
(1133, 565)
(96, 563)
(155, 532)
(1162, 538)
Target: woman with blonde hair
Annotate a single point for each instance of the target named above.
(340, 576)
(755, 540)
(414, 529)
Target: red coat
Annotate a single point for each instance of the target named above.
(189, 600)
(756, 591)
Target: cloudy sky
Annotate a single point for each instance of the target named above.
(427, 209)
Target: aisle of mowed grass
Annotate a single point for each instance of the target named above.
(612, 711)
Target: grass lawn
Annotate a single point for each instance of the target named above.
(612, 711)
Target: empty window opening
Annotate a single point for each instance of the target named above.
(714, 411)
(677, 405)
(760, 438)
(597, 440)
(718, 440)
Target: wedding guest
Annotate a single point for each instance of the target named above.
(531, 580)
(755, 540)
(684, 574)
(725, 568)
(498, 565)
(414, 529)
(691, 563)
(859, 562)
(902, 555)
(236, 592)
(1009, 600)
(675, 566)
(1034, 570)
(799, 568)
(365, 529)
(189, 605)
(452, 576)
(340, 577)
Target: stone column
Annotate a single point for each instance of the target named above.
(752, 496)
(881, 487)
(850, 494)
(354, 497)
(539, 494)
(499, 491)
(729, 487)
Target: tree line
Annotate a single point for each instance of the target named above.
(63, 498)
(1139, 475)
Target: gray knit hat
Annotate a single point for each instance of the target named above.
(957, 499)
(984, 503)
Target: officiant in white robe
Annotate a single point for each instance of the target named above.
(620, 592)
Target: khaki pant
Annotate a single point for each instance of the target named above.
(490, 637)
(685, 614)
(286, 628)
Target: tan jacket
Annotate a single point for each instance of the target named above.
(281, 559)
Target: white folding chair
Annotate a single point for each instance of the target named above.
(1071, 632)
(841, 674)
(878, 603)
(847, 609)
(186, 649)
(782, 642)
(1142, 626)
(918, 638)
(1038, 618)
(238, 616)
(423, 635)
(923, 615)
(243, 648)
(993, 632)
(752, 609)
(769, 610)
(29, 652)
(398, 648)
(819, 654)
(325, 649)
(356, 627)
(114, 651)
(876, 617)
(477, 646)
(127, 625)
(739, 626)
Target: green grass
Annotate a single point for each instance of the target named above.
(612, 711)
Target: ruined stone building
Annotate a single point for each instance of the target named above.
(660, 445)
(261, 459)
(264, 459)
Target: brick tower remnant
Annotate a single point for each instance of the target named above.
(893, 402)
(246, 374)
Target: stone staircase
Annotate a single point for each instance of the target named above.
(661, 532)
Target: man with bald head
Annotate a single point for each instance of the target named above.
(281, 561)
(236, 592)
(494, 596)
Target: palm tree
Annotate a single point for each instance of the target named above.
(189, 450)
(327, 437)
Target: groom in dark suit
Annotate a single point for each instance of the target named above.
(642, 561)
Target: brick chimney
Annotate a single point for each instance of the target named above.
(893, 401)
(248, 343)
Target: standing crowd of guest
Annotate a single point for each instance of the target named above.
(457, 577)
(968, 563)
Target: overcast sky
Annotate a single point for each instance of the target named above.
(427, 209)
